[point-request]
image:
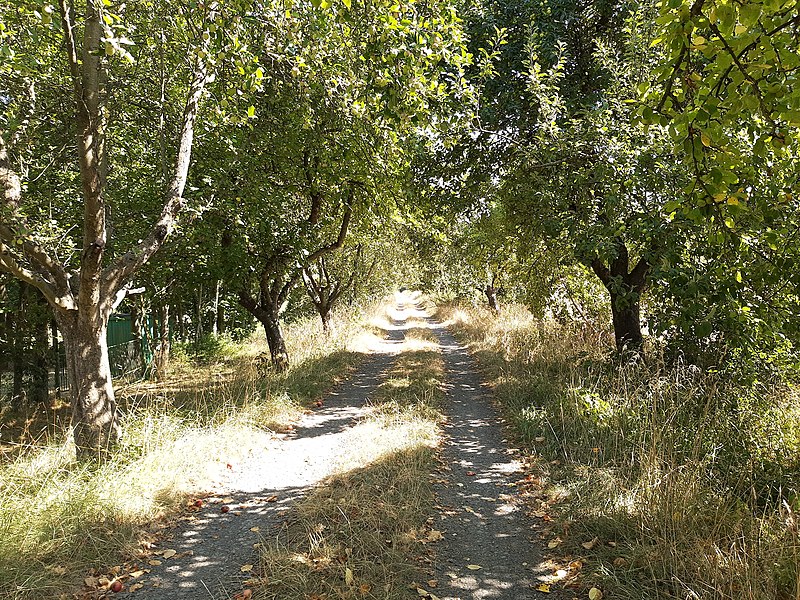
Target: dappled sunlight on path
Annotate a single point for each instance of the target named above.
(214, 550)
(488, 549)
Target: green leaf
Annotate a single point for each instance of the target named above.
(348, 3)
(251, 111)
(703, 329)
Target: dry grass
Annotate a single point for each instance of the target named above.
(360, 533)
(59, 518)
(692, 479)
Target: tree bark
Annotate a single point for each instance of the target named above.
(40, 358)
(218, 318)
(625, 289)
(627, 324)
(267, 312)
(276, 343)
(95, 417)
(491, 297)
(56, 359)
(18, 353)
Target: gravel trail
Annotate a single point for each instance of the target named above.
(483, 521)
(210, 546)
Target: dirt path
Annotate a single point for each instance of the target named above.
(482, 522)
(482, 519)
(211, 547)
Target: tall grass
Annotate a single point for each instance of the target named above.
(59, 518)
(688, 481)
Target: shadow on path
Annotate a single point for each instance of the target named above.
(482, 520)
(211, 547)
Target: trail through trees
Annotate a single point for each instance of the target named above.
(211, 552)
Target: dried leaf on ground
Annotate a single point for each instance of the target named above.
(169, 553)
(590, 544)
(246, 568)
(474, 567)
(543, 588)
(434, 535)
(595, 594)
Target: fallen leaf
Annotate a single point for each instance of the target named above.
(246, 568)
(136, 574)
(90, 582)
(553, 543)
(620, 562)
(364, 589)
(595, 594)
(348, 576)
(543, 588)
(227, 500)
(272, 499)
(154, 563)
(591, 544)
(434, 535)
(612, 544)
(539, 439)
(561, 573)
(474, 567)
(169, 553)
(433, 583)
(255, 529)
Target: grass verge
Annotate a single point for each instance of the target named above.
(360, 534)
(669, 482)
(60, 520)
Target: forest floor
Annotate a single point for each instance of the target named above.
(475, 540)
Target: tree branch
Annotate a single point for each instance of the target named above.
(117, 273)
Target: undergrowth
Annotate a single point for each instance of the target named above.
(60, 518)
(359, 535)
(689, 482)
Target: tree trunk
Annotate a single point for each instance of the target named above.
(627, 325)
(215, 325)
(138, 325)
(56, 359)
(198, 328)
(276, 342)
(325, 315)
(491, 297)
(625, 289)
(162, 347)
(18, 352)
(95, 418)
(40, 359)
